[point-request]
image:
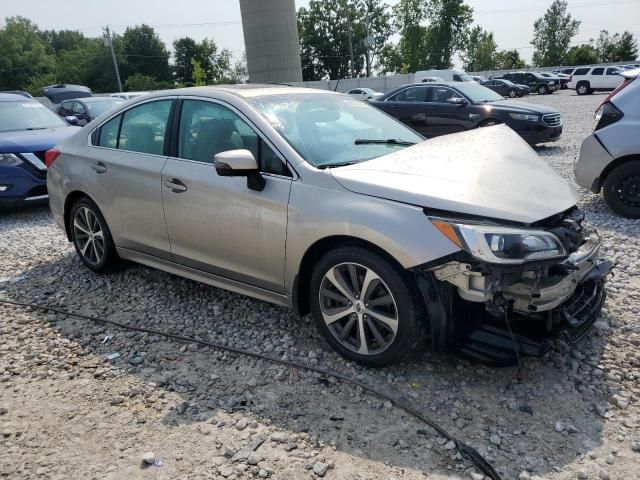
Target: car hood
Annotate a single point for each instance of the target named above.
(26, 141)
(516, 106)
(489, 172)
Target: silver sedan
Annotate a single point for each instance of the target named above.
(319, 202)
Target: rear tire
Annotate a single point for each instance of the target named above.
(621, 189)
(91, 236)
(542, 90)
(583, 88)
(355, 293)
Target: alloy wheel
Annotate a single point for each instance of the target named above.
(512, 93)
(582, 89)
(88, 235)
(629, 191)
(358, 308)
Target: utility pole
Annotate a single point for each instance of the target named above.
(109, 43)
(349, 37)
(367, 44)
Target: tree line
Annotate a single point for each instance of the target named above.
(338, 39)
(342, 38)
(32, 58)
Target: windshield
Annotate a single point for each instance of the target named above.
(464, 77)
(478, 93)
(98, 108)
(27, 115)
(324, 127)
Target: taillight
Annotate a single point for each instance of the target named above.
(607, 114)
(626, 82)
(50, 156)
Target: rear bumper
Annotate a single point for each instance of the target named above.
(591, 161)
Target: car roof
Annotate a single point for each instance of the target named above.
(241, 90)
(14, 97)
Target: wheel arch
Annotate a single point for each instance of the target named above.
(70, 199)
(597, 184)
(300, 294)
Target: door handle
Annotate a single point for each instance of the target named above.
(175, 185)
(395, 107)
(99, 167)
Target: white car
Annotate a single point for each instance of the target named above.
(364, 93)
(586, 80)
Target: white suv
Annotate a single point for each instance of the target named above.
(586, 80)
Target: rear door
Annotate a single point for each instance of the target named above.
(408, 106)
(123, 174)
(597, 78)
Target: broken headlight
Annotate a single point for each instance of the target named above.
(505, 245)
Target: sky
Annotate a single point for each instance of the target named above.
(511, 21)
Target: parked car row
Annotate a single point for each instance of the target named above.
(413, 241)
(536, 82)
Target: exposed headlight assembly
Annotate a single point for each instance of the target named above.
(9, 160)
(524, 116)
(502, 245)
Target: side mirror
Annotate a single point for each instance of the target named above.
(462, 102)
(71, 119)
(240, 163)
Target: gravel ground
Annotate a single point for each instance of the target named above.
(66, 412)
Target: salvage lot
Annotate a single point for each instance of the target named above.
(71, 414)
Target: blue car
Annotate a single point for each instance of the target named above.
(27, 130)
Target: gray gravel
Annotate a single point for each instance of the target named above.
(68, 412)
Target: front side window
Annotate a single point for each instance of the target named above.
(329, 130)
(442, 94)
(208, 128)
(78, 109)
(597, 71)
(66, 109)
(144, 128)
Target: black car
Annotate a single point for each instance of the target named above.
(506, 88)
(81, 111)
(536, 82)
(447, 107)
(63, 91)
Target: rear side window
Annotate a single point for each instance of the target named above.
(108, 136)
(581, 71)
(456, 78)
(144, 128)
(411, 94)
(613, 71)
(597, 71)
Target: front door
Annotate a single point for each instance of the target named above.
(408, 106)
(217, 224)
(123, 175)
(445, 117)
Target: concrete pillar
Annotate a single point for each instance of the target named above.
(271, 40)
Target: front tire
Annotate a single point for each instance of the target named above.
(91, 236)
(512, 93)
(543, 90)
(365, 306)
(583, 88)
(621, 189)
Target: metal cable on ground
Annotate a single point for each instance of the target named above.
(469, 452)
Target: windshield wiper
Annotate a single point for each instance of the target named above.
(339, 164)
(388, 141)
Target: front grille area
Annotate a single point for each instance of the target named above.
(582, 309)
(552, 119)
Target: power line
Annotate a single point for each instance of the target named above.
(507, 11)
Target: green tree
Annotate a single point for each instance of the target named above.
(145, 53)
(60, 40)
(627, 48)
(24, 54)
(141, 83)
(450, 22)
(480, 51)
(197, 73)
(552, 35)
(584, 54)
(324, 28)
(509, 60)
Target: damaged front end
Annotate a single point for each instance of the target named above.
(511, 289)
